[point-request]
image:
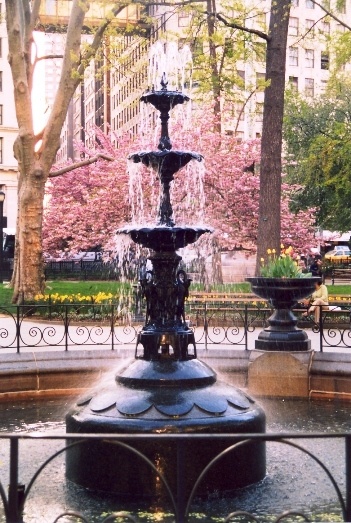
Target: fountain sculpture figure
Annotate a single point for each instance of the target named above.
(166, 388)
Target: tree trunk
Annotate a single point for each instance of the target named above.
(268, 236)
(28, 274)
(215, 77)
(36, 154)
(217, 273)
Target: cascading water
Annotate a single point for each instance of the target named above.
(166, 389)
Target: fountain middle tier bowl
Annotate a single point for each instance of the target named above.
(162, 238)
(166, 162)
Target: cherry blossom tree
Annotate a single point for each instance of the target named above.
(89, 204)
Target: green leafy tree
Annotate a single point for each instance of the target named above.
(317, 137)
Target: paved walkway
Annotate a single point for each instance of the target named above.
(39, 336)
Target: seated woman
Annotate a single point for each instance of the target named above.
(318, 301)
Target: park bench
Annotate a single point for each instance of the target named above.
(200, 303)
(340, 275)
(222, 297)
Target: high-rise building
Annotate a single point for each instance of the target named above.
(109, 94)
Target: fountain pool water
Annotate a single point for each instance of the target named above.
(293, 480)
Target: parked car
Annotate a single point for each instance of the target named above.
(339, 253)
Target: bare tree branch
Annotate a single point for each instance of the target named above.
(310, 29)
(83, 163)
(329, 13)
(34, 14)
(173, 4)
(48, 57)
(234, 25)
(93, 47)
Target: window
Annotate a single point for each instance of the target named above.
(309, 58)
(197, 48)
(341, 6)
(260, 80)
(1, 150)
(239, 111)
(229, 47)
(261, 21)
(309, 87)
(324, 60)
(309, 4)
(309, 24)
(294, 83)
(260, 51)
(182, 42)
(293, 56)
(323, 86)
(294, 3)
(259, 113)
(293, 26)
(1, 113)
(241, 79)
(0, 81)
(341, 28)
(183, 19)
(326, 28)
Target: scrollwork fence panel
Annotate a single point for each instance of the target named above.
(215, 324)
(15, 499)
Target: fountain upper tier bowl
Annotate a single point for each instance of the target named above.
(162, 238)
(164, 100)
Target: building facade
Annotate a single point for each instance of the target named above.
(8, 130)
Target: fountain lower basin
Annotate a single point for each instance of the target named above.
(173, 397)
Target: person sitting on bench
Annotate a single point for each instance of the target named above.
(318, 301)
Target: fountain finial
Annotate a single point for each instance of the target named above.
(164, 82)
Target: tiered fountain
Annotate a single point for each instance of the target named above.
(166, 389)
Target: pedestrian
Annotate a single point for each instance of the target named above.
(316, 266)
(317, 301)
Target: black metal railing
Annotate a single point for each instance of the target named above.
(72, 325)
(89, 270)
(15, 499)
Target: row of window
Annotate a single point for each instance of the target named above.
(135, 82)
(309, 26)
(125, 116)
(308, 87)
(309, 58)
(184, 17)
(132, 81)
(309, 4)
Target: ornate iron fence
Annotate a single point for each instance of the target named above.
(179, 503)
(231, 324)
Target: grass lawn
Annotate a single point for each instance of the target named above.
(85, 288)
(90, 288)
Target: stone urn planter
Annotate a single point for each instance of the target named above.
(282, 294)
